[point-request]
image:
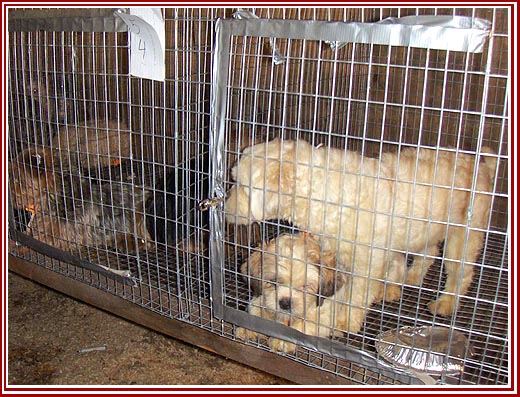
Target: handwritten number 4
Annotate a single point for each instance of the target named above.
(142, 47)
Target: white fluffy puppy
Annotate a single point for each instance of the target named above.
(291, 278)
(372, 211)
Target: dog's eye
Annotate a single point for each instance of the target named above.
(269, 284)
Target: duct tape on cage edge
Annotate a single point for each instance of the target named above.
(123, 277)
(439, 32)
(322, 345)
(65, 20)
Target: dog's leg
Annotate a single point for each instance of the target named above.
(420, 265)
(284, 346)
(352, 315)
(247, 334)
(461, 254)
(396, 270)
(459, 274)
(364, 292)
(363, 289)
(129, 243)
(309, 326)
(193, 245)
(55, 233)
(255, 309)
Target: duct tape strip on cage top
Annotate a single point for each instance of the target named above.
(66, 20)
(439, 32)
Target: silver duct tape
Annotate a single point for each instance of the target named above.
(65, 20)
(121, 273)
(67, 257)
(472, 32)
(436, 32)
(217, 188)
(278, 58)
(323, 345)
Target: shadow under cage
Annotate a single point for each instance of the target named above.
(108, 171)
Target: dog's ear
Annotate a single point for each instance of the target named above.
(325, 284)
(257, 270)
(313, 253)
(330, 279)
(330, 282)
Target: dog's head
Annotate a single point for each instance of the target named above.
(45, 97)
(31, 180)
(292, 276)
(265, 176)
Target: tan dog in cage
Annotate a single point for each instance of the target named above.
(372, 211)
(70, 214)
(292, 279)
(93, 143)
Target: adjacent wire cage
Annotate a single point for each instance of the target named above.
(269, 172)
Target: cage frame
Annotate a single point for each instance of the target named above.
(304, 373)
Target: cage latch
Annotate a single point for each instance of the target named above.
(205, 205)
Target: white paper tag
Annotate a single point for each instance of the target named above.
(147, 42)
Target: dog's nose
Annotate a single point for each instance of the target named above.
(285, 304)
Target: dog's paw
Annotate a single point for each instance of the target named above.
(444, 306)
(353, 321)
(282, 346)
(246, 334)
(392, 293)
(414, 276)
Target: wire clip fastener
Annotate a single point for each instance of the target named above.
(205, 205)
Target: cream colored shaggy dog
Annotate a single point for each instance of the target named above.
(291, 278)
(371, 212)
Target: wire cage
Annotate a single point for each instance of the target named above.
(108, 172)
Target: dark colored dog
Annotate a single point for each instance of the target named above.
(172, 210)
(68, 212)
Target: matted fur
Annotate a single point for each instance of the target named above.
(371, 211)
(69, 213)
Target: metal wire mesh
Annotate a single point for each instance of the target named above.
(72, 97)
(367, 98)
